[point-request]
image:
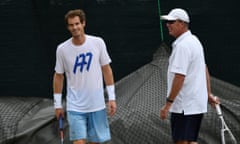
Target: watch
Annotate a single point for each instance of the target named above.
(169, 100)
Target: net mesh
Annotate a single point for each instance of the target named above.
(12, 110)
(140, 95)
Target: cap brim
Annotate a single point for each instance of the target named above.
(166, 17)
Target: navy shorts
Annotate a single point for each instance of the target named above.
(185, 127)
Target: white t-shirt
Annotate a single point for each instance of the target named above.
(82, 67)
(187, 58)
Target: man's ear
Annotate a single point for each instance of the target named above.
(84, 23)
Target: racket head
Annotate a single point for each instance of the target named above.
(228, 138)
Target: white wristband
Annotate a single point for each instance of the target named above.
(57, 100)
(111, 92)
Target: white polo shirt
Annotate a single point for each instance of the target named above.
(187, 58)
(83, 68)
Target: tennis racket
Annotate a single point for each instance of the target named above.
(61, 128)
(226, 135)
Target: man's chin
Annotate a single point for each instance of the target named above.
(76, 36)
(170, 33)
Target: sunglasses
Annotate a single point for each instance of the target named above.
(170, 22)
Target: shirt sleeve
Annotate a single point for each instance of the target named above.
(59, 67)
(180, 60)
(104, 56)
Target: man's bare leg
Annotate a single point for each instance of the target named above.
(82, 141)
(185, 142)
(182, 142)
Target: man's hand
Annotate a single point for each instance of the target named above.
(213, 100)
(164, 110)
(58, 112)
(112, 107)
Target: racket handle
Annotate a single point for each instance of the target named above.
(218, 108)
(60, 122)
(219, 112)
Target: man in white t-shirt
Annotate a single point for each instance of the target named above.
(85, 62)
(188, 80)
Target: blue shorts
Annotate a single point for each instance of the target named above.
(185, 127)
(91, 126)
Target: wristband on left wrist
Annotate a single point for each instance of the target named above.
(111, 92)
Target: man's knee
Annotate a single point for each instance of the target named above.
(82, 141)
